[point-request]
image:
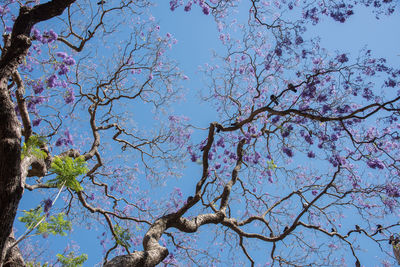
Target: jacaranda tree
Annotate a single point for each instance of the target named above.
(299, 167)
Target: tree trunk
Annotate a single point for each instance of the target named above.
(14, 51)
(11, 188)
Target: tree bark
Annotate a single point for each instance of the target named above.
(13, 256)
(11, 188)
(14, 51)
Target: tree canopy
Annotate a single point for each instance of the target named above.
(299, 165)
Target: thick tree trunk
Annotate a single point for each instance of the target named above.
(14, 51)
(11, 187)
(13, 256)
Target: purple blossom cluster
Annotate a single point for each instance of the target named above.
(69, 96)
(375, 164)
(310, 90)
(390, 203)
(47, 37)
(33, 102)
(174, 4)
(392, 190)
(286, 132)
(180, 134)
(193, 155)
(311, 154)
(36, 121)
(337, 160)
(37, 86)
(287, 151)
(342, 58)
(47, 204)
(390, 83)
(52, 81)
(67, 61)
(65, 140)
(342, 13)
(311, 14)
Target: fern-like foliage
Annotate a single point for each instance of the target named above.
(122, 236)
(32, 147)
(67, 170)
(56, 225)
(36, 264)
(71, 261)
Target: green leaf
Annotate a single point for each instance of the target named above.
(36, 264)
(32, 147)
(32, 217)
(122, 236)
(71, 261)
(67, 169)
(56, 224)
(271, 165)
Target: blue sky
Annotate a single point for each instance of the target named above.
(197, 36)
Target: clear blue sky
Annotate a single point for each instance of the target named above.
(197, 36)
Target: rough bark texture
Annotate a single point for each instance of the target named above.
(14, 51)
(154, 253)
(10, 161)
(13, 257)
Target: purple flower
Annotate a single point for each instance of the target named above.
(287, 151)
(334, 161)
(390, 203)
(38, 87)
(69, 97)
(314, 192)
(62, 55)
(47, 205)
(278, 51)
(69, 61)
(37, 35)
(52, 81)
(62, 70)
(326, 108)
(36, 122)
(342, 58)
(375, 163)
(275, 119)
(257, 157)
(206, 10)
(308, 139)
(390, 83)
(310, 154)
(392, 191)
(286, 132)
(68, 137)
(52, 36)
(188, 6)
(322, 98)
(59, 141)
(299, 40)
(37, 100)
(173, 4)
(220, 142)
(368, 94)
(65, 140)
